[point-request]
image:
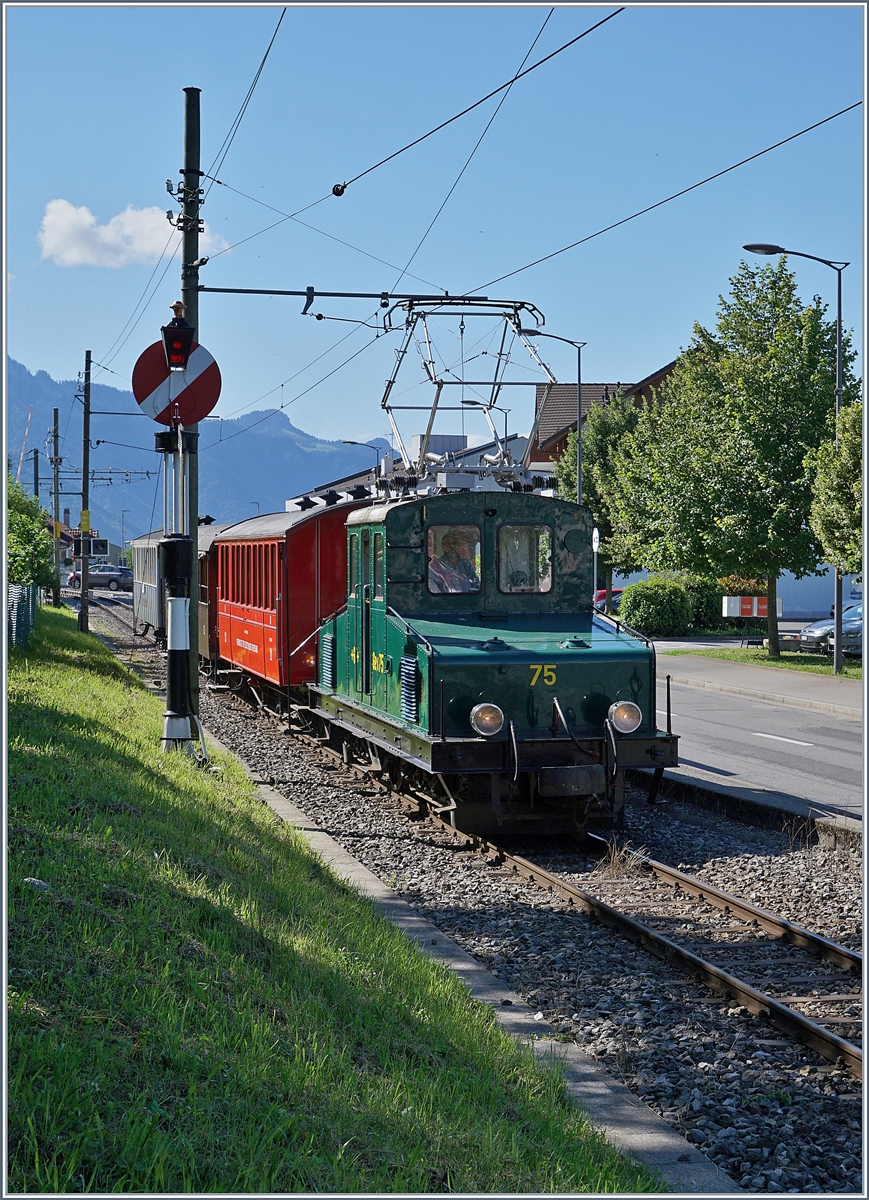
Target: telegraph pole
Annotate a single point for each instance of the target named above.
(85, 522)
(192, 200)
(55, 462)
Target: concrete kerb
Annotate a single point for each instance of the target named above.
(626, 1122)
(839, 710)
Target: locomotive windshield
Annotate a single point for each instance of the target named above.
(524, 558)
(454, 558)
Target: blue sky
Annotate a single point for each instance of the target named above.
(653, 101)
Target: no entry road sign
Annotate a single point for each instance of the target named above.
(176, 397)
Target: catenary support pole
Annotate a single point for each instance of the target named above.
(85, 522)
(35, 474)
(579, 424)
(55, 476)
(837, 594)
(190, 300)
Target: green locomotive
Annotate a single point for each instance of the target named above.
(469, 661)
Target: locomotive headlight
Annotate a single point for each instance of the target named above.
(625, 716)
(487, 719)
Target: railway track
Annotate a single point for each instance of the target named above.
(761, 961)
(764, 1107)
(806, 985)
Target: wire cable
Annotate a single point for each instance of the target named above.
(340, 188)
(220, 157)
(667, 200)
(349, 245)
(287, 403)
(477, 103)
(474, 151)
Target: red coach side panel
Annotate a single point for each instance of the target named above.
(278, 576)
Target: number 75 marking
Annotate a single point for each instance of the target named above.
(548, 671)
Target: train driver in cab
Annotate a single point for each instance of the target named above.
(452, 569)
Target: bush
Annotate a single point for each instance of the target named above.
(657, 607)
(736, 585)
(704, 596)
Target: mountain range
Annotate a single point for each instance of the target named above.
(254, 462)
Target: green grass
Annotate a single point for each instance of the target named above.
(816, 664)
(197, 1004)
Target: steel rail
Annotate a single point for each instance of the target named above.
(829, 1045)
(797, 935)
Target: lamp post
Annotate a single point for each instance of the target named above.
(838, 267)
(376, 449)
(536, 333)
(123, 542)
(256, 502)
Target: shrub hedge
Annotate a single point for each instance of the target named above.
(658, 607)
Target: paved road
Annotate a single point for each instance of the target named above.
(804, 761)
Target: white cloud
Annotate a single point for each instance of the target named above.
(71, 237)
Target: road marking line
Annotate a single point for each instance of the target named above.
(776, 738)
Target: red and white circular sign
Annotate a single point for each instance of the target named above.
(176, 397)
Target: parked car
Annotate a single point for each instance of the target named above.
(852, 637)
(600, 599)
(104, 575)
(817, 635)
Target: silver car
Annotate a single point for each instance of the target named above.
(816, 637)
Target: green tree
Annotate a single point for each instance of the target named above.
(602, 431)
(714, 478)
(29, 545)
(837, 493)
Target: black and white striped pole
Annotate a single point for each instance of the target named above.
(176, 567)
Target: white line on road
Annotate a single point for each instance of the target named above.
(776, 738)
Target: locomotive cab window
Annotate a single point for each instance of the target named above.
(354, 564)
(524, 558)
(453, 558)
(378, 566)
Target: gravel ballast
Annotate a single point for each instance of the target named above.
(770, 1113)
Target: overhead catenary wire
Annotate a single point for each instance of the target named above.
(113, 352)
(220, 157)
(666, 200)
(473, 152)
(477, 103)
(323, 233)
(286, 404)
(339, 189)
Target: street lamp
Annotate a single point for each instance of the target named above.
(838, 267)
(536, 333)
(256, 502)
(376, 449)
(123, 543)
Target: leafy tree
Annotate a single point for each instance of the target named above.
(714, 477)
(602, 431)
(29, 545)
(837, 489)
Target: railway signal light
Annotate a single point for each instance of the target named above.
(177, 342)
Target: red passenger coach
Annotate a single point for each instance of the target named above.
(278, 576)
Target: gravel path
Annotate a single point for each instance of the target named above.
(773, 1115)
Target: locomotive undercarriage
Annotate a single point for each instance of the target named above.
(479, 799)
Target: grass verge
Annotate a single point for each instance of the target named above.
(197, 1004)
(815, 664)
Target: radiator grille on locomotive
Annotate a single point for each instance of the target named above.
(409, 677)
(327, 658)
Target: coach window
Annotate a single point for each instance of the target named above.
(378, 566)
(453, 558)
(524, 558)
(354, 564)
